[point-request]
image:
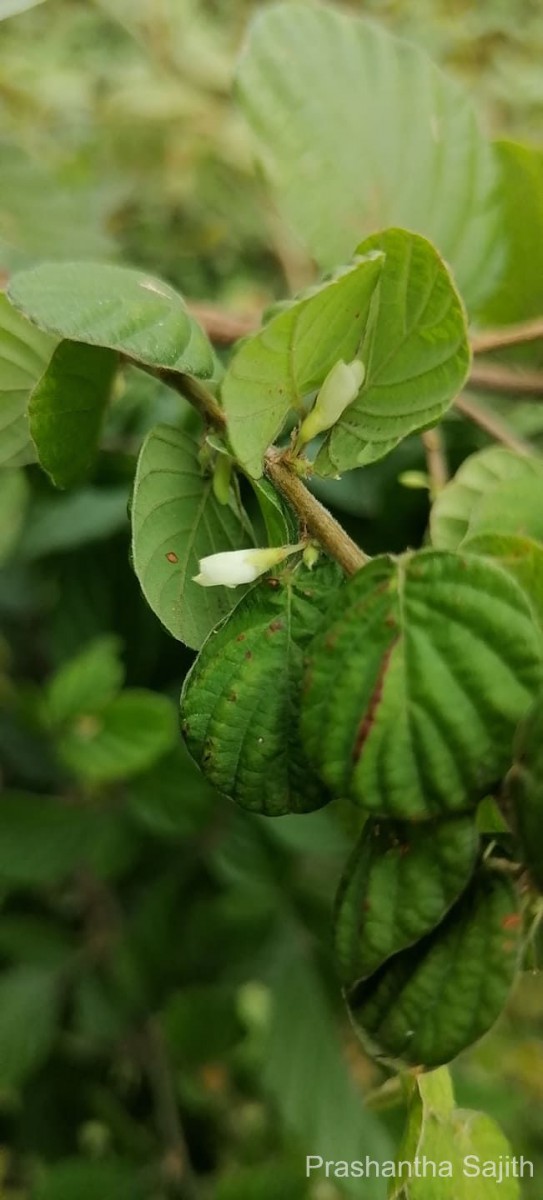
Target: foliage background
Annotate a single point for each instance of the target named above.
(175, 957)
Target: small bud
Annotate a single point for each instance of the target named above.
(340, 388)
(311, 555)
(233, 567)
(222, 476)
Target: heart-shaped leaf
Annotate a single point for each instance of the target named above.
(483, 477)
(428, 1003)
(291, 356)
(176, 520)
(414, 690)
(241, 701)
(415, 351)
(24, 354)
(67, 407)
(398, 885)
(116, 307)
(358, 130)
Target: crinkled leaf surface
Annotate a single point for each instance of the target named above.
(414, 690)
(358, 130)
(521, 556)
(398, 885)
(415, 351)
(481, 477)
(525, 787)
(428, 1003)
(241, 701)
(24, 354)
(116, 307)
(176, 520)
(126, 737)
(291, 356)
(67, 407)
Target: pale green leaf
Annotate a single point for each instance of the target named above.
(24, 354)
(415, 351)
(176, 520)
(14, 496)
(482, 477)
(86, 683)
(358, 130)
(519, 294)
(416, 687)
(520, 555)
(67, 407)
(116, 307)
(290, 357)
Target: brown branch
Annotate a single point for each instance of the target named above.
(311, 513)
(176, 1164)
(493, 377)
(221, 327)
(193, 391)
(436, 461)
(507, 335)
(493, 425)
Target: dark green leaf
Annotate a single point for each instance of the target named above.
(428, 1003)
(398, 885)
(240, 703)
(67, 407)
(525, 788)
(24, 354)
(415, 689)
(76, 1179)
(127, 736)
(29, 998)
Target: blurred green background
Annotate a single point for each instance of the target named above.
(170, 1019)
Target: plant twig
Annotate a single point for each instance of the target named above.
(493, 425)
(507, 335)
(195, 392)
(493, 377)
(222, 327)
(316, 518)
(436, 461)
(176, 1164)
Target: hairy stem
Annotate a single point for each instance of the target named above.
(436, 461)
(311, 513)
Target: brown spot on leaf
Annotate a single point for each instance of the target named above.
(275, 627)
(232, 696)
(511, 921)
(240, 637)
(248, 654)
(172, 556)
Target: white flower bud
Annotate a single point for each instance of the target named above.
(340, 388)
(232, 567)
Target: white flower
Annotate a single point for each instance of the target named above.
(232, 567)
(340, 388)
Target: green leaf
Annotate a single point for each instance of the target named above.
(524, 786)
(57, 524)
(172, 800)
(126, 737)
(398, 885)
(519, 294)
(86, 683)
(307, 1075)
(482, 477)
(428, 1003)
(14, 496)
(358, 130)
(241, 700)
(116, 307)
(176, 520)
(277, 517)
(521, 556)
(29, 998)
(11, 8)
(67, 408)
(78, 1179)
(41, 840)
(458, 1141)
(415, 350)
(290, 357)
(414, 691)
(24, 354)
